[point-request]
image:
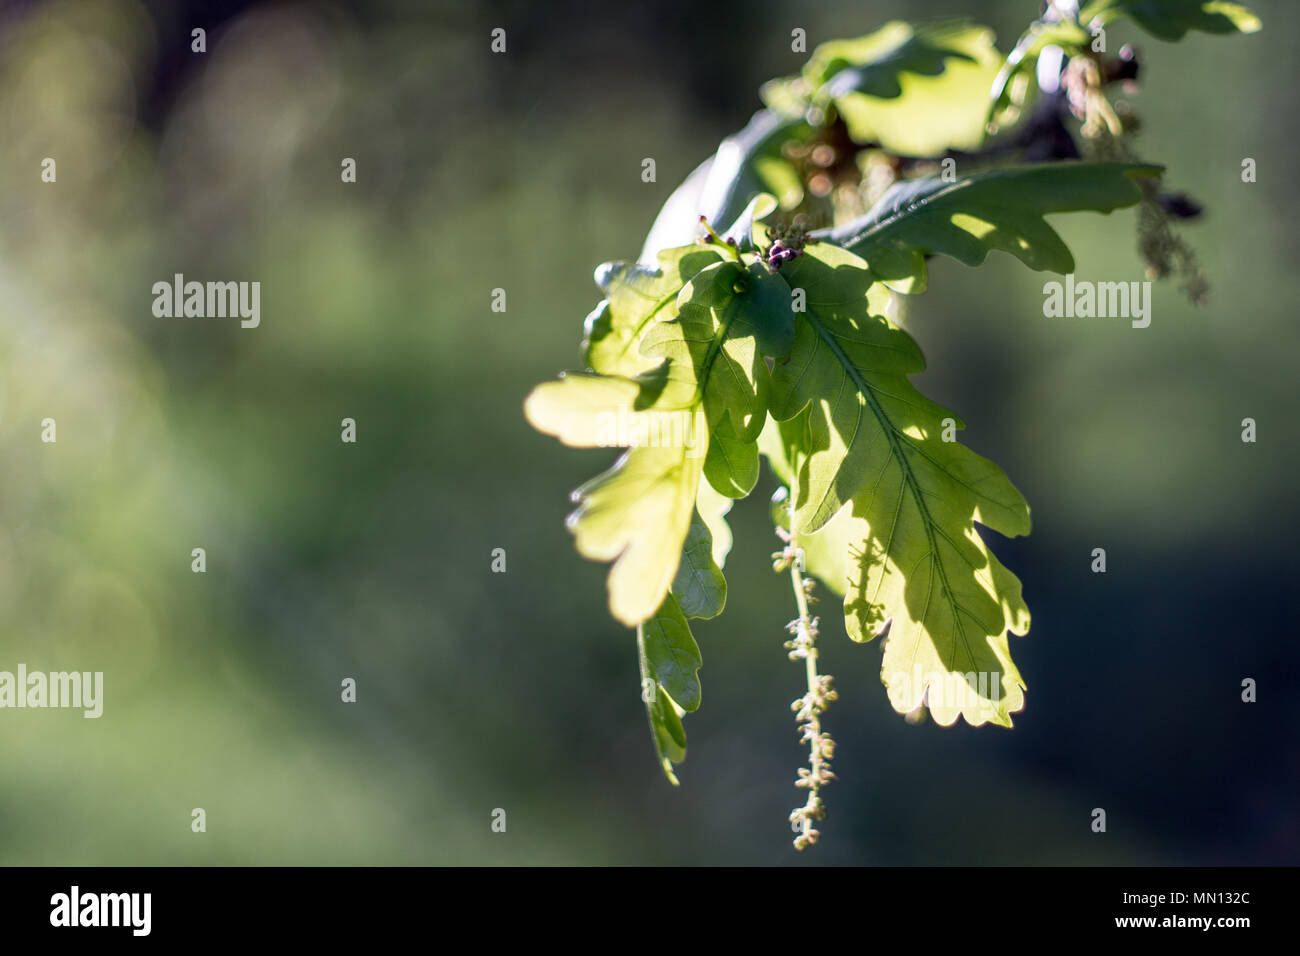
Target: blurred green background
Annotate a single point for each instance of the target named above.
(517, 691)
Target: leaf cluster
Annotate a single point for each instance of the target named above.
(767, 341)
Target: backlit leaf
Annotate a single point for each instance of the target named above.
(998, 209)
(873, 470)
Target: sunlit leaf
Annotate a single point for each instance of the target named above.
(637, 296)
(636, 515)
(731, 465)
(918, 90)
(999, 209)
(1171, 19)
(872, 456)
(699, 586)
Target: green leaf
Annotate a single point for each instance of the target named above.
(670, 662)
(1171, 19)
(818, 375)
(638, 512)
(711, 348)
(998, 209)
(873, 469)
(635, 298)
(705, 368)
(584, 411)
(672, 654)
(767, 314)
(917, 90)
(667, 732)
(699, 586)
(712, 508)
(731, 465)
(636, 515)
(776, 448)
(829, 554)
